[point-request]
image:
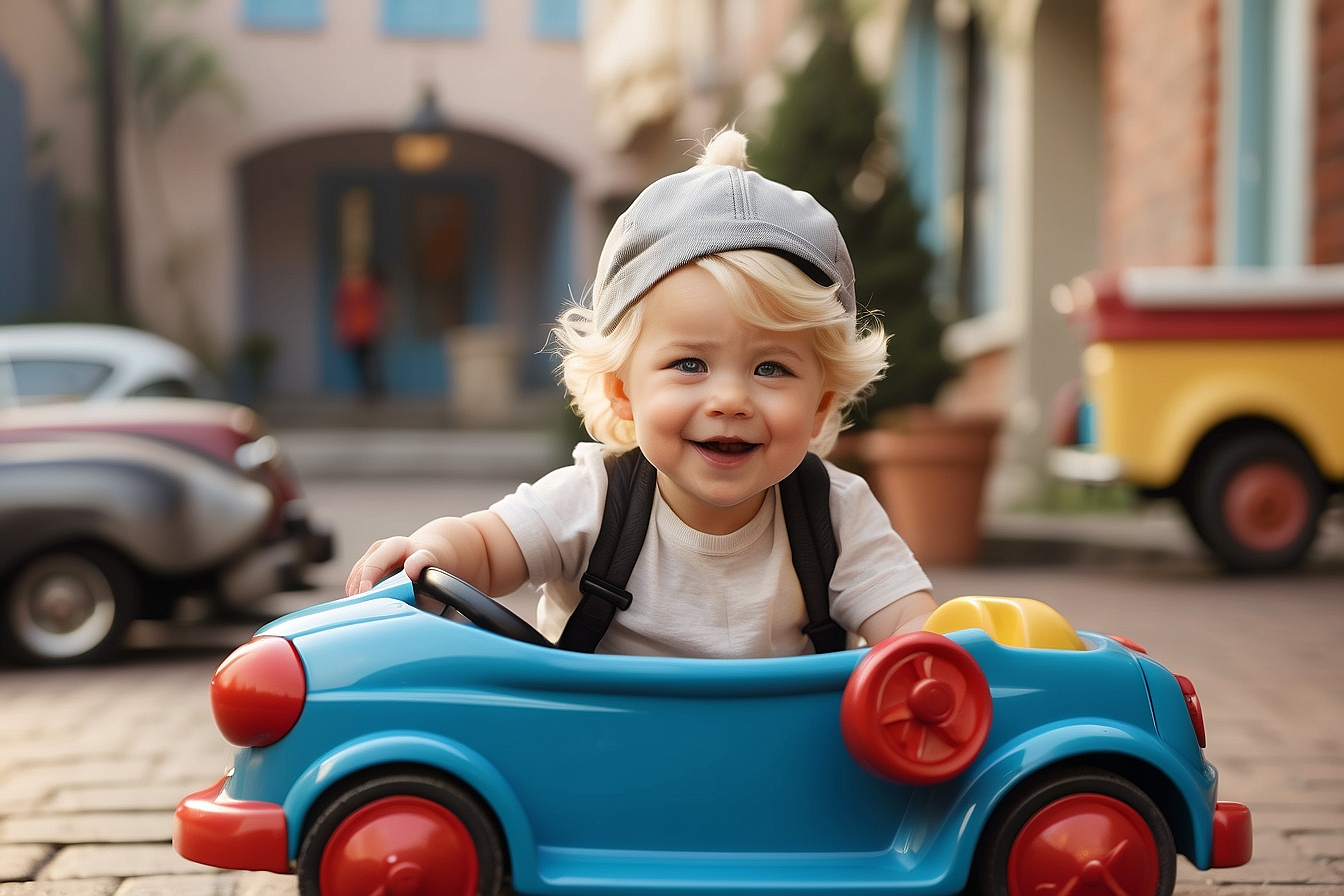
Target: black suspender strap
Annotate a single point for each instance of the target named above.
(805, 499)
(631, 481)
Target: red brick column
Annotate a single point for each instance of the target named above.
(1160, 113)
(1327, 232)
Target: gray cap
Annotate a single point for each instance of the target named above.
(716, 208)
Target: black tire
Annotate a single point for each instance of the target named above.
(1254, 527)
(68, 605)
(990, 872)
(456, 799)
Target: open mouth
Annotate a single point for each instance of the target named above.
(727, 447)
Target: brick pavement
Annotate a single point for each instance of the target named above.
(92, 763)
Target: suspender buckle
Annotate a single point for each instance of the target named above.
(822, 627)
(617, 597)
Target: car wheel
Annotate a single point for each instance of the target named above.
(1257, 502)
(69, 606)
(916, 709)
(407, 833)
(1079, 830)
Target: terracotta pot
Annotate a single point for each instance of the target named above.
(928, 471)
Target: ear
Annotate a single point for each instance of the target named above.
(620, 402)
(823, 409)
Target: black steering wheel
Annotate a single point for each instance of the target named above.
(481, 611)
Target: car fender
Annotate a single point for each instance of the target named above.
(1154, 413)
(167, 510)
(1101, 743)
(400, 747)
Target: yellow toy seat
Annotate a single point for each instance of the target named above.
(1012, 621)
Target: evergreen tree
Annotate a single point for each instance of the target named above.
(828, 129)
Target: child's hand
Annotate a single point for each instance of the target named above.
(478, 548)
(387, 556)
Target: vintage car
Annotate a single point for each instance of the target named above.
(388, 750)
(45, 363)
(1217, 387)
(112, 512)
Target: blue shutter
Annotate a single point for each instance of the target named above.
(283, 15)
(432, 18)
(16, 285)
(1254, 164)
(918, 91)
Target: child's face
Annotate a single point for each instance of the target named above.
(723, 409)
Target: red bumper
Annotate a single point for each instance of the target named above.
(245, 835)
(1231, 835)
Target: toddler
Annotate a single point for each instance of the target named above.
(720, 339)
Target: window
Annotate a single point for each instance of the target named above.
(40, 381)
(557, 19)
(1264, 177)
(283, 15)
(432, 18)
(166, 388)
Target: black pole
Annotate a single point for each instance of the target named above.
(970, 170)
(109, 120)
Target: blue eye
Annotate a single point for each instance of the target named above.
(690, 365)
(772, 369)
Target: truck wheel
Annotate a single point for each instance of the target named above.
(408, 833)
(68, 606)
(1078, 830)
(1257, 502)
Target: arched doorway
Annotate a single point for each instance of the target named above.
(484, 241)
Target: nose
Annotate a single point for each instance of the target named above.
(729, 396)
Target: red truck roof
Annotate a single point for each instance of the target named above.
(1208, 303)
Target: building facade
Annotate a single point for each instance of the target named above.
(1047, 138)
(248, 205)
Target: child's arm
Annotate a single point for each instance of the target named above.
(905, 615)
(477, 548)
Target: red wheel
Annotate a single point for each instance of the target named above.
(401, 835)
(1080, 831)
(402, 846)
(1084, 843)
(1266, 506)
(917, 709)
(1256, 500)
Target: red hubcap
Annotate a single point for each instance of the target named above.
(399, 846)
(917, 709)
(1082, 844)
(1266, 506)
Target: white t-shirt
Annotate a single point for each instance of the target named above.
(702, 595)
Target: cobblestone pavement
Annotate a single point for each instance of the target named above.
(92, 761)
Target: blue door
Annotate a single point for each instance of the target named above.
(429, 241)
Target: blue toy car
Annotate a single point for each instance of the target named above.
(388, 750)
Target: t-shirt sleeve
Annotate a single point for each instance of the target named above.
(875, 567)
(555, 519)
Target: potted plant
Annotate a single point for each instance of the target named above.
(831, 137)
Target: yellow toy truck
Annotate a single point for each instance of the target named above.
(1222, 388)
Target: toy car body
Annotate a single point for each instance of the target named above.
(393, 748)
(1218, 388)
(111, 512)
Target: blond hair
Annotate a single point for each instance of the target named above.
(764, 290)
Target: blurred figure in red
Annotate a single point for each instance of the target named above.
(360, 302)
